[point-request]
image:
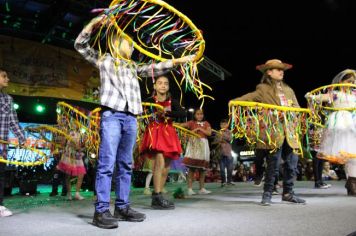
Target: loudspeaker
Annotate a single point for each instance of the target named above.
(28, 187)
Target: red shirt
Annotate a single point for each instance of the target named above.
(196, 124)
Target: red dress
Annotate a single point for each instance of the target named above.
(161, 137)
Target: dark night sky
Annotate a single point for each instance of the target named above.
(314, 36)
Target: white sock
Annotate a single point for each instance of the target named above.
(148, 180)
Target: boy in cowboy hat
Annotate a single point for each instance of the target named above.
(272, 90)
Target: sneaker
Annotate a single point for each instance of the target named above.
(69, 196)
(325, 184)
(160, 203)
(257, 183)
(147, 191)
(231, 183)
(275, 191)
(128, 214)
(77, 196)
(4, 212)
(204, 191)
(321, 186)
(191, 192)
(290, 197)
(266, 199)
(105, 220)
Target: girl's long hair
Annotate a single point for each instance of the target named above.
(195, 112)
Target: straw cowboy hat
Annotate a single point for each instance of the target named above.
(273, 64)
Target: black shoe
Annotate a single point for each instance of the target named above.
(258, 183)
(290, 197)
(128, 214)
(321, 186)
(266, 199)
(53, 194)
(105, 220)
(223, 184)
(159, 203)
(231, 183)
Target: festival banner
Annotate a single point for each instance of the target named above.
(37, 69)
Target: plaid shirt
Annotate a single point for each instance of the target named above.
(8, 119)
(120, 89)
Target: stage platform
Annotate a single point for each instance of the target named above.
(232, 210)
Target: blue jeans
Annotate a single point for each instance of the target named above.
(226, 162)
(289, 168)
(118, 137)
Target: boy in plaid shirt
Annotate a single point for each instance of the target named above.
(120, 98)
(8, 121)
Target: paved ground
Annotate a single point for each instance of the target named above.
(233, 210)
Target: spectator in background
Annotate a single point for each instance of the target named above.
(241, 174)
(251, 174)
(328, 173)
(223, 139)
(309, 170)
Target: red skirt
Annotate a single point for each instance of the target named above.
(162, 138)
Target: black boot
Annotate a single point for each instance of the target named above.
(105, 220)
(159, 203)
(128, 214)
(351, 186)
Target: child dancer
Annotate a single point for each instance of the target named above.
(197, 156)
(273, 90)
(8, 121)
(120, 98)
(72, 164)
(161, 141)
(223, 139)
(339, 137)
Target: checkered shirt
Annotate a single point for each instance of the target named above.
(120, 89)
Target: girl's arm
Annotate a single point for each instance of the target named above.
(320, 97)
(206, 131)
(184, 125)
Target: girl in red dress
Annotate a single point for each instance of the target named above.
(160, 141)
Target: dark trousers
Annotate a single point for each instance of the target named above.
(260, 156)
(317, 168)
(58, 178)
(289, 168)
(226, 163)
(2, 182)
